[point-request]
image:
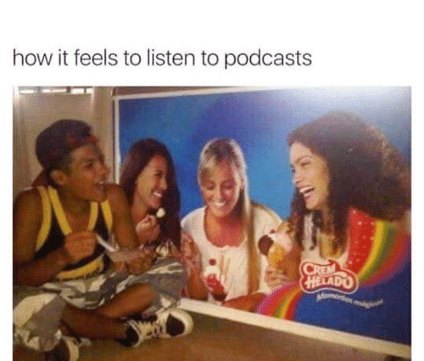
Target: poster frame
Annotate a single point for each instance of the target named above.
(293, 327)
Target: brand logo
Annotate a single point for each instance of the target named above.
(330, 276)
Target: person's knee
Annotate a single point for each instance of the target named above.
(144, 290)
(134, 299)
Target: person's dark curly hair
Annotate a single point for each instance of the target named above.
(139, 155)
(366, 172)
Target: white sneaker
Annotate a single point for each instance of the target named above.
(66, 350)
(165, 324)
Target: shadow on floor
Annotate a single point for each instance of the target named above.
(215, 339)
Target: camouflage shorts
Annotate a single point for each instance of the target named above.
(37, 311)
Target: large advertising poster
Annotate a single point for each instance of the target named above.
(360, 283)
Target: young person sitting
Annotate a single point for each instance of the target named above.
(65, 287)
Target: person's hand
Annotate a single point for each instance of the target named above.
(147, 229)
(275, 277)
(168, 249)
(78, 246)
(142, 263)
(174, 252)
(190, 254)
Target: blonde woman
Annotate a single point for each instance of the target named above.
(220, 240)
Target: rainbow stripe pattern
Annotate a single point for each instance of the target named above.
(378, 251)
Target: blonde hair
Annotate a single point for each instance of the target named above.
(213, 153)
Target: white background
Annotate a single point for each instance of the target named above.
(353, 43)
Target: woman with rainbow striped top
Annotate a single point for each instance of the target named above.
(349, 225)
(352, 196)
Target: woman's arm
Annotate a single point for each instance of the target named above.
(245, 303)
(192, 261)
(196, 289)
(124, 230)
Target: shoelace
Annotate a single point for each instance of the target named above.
(152, 329)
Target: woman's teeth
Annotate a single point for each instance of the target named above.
(157, 194)
(306, 191)
(219, 204)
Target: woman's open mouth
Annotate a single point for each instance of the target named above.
(307, 191)
(158, 195)
(219, 204)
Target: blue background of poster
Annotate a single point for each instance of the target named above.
(259, 121)
(390, 320)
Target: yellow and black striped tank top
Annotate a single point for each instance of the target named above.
(55, 227)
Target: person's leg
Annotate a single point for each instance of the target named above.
(106, 320)
(36, 318)
(167, 278)
(126, 295)
(133, 300)
(131, 332)
(90, 324)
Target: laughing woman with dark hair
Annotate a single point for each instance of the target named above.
(349, 224)
(149, 182)
(344, 171)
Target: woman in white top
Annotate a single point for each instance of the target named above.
(220, 240)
